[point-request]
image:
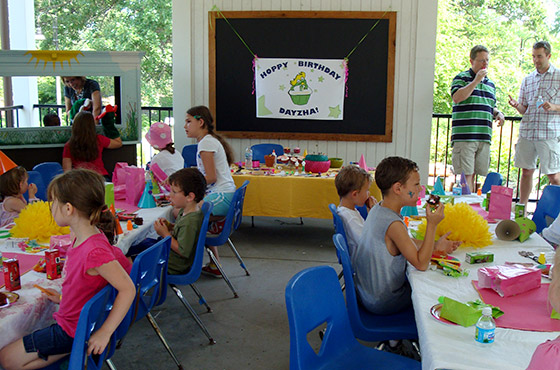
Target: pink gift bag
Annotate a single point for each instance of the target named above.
(500, 203)
(135, 182)
(508, 280)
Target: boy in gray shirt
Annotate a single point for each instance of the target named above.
(385, 247)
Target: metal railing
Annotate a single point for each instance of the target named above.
(7, 116)
(501, 152)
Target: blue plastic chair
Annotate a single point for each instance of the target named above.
(493, 178)
(194, 273)
(149, 275)
(48, 171)
(548, 206)
(92, 317)
(189, 155)
(36, 178)
(232, 222)
(313, 297)
(366, 325)
(260, 150)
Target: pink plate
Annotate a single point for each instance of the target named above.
(436, 310)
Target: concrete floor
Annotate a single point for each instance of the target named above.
(251, 331)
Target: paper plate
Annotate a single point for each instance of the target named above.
(436, 311)
(12, 297)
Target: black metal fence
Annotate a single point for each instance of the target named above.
(503, 142)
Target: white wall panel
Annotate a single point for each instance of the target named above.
(414, 67)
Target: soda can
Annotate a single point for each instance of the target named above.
(519, 210)
(11, 274)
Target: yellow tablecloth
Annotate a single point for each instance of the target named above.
(291, 196)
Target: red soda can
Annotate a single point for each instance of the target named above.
(11, 274)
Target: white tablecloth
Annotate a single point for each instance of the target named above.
(146, 230)
(32, 310)
(445, 346)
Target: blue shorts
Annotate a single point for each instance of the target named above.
(51, 340)
(221, 202)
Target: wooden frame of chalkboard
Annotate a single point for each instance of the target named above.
(368, 106)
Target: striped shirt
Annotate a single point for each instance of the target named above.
(472, 118)
(538, 124)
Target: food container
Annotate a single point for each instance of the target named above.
(54, 265)
(336, 162)
(479, 257)
(317, 167)
(11, 274)
(269, 160)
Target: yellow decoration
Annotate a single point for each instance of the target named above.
(465, 224)
(35, 222)
(54, 56)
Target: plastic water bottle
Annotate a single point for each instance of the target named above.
(275, 157)
(249, 158)
(485, 327)
(540, 102)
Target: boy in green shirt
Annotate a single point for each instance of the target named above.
(187, 190)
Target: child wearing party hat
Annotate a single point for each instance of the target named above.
(168, 159)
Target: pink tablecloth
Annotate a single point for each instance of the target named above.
(26, 263)
(526, 311)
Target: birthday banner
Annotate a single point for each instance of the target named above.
(300, 88)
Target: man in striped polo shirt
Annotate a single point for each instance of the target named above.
(539, 132)
(474, 108)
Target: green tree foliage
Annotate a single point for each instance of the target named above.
(115, 25)
(508, 28)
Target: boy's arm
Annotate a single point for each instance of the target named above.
(419, 258)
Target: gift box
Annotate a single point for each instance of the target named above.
(465, 314)
(508, 280)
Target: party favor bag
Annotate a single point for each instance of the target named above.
(135, 182)
(459, 313)
(500, 202)
(508, 280)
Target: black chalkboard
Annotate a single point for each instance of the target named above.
(368, 108)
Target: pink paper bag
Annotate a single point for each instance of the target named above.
(500, 203)
(119, 173)
(135, 182)
(61, 242)
(508, 280)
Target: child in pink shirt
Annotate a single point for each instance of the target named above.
(91, 263)
(547, 354)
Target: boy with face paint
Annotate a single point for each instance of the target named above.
(381, 256)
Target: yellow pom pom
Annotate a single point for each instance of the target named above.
(465, 224)
(35, 222)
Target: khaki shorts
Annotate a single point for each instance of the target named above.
(471, 157)
(548, 152)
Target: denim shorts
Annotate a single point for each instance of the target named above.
(52, 340)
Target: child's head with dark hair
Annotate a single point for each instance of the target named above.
(351, 178)
(189, 180)
(83, 141)
(84, 190)
(392, 170)
(51, 119)
(11, 181)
